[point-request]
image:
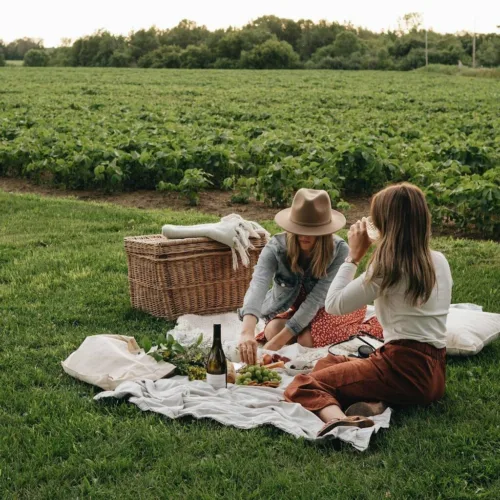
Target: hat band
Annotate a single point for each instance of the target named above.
(311, 224)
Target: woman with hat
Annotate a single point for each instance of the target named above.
(301, 264)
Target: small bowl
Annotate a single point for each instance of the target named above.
(299, 367)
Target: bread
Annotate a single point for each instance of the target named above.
(279, 364)
(231, 372)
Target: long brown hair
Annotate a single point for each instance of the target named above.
(401, 215)
(321, 254)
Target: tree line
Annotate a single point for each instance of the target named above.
(269, 42)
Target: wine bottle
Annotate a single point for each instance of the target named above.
(216, 362)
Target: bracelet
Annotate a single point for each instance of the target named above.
(350, 260)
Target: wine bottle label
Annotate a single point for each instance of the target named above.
(217, 381)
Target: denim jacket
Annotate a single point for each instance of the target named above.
(273, 265)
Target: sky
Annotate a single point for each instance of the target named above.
(52, 20)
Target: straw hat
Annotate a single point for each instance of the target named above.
(311, 214)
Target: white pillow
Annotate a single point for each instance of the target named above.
(470, 330)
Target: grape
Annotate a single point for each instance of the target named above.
(246, 381)
(258, 373)
(265, 379)
(247, 375)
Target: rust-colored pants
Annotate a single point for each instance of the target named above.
(401, 372)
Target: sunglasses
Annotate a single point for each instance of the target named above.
(364, 351)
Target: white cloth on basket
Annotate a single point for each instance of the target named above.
(232, 230)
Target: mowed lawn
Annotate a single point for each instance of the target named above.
(63, 276)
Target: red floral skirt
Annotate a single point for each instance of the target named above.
(329, 329)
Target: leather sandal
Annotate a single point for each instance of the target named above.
(363, 409)
(354, 421)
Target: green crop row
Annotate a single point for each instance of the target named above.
(263, 134)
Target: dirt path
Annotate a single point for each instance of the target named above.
(211, 202)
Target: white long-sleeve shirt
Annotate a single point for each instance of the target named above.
(400, 320)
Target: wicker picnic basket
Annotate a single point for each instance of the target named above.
(169, 278)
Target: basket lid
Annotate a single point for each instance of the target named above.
(159, 245)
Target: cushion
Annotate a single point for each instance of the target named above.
(470, 330)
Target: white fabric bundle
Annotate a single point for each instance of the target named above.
(109, 360)
(232, 230)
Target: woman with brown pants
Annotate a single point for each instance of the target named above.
(411, 287)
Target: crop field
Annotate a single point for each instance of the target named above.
(262, 133)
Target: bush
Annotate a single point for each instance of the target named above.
(196, 56)
(193, 182)
(276, 184)
(470, 201)
(167, 56)
(226, 63)
(271, 54)
(120, 59)
(61, 56)
(2, 59)
(414, 59)
(245, 188)
(36, 58)
(346, 44)
(489, 53)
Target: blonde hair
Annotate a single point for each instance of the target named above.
(401, 215)
(321, 254)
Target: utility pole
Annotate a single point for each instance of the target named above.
(474, 46)
(426, 51)
(474, 50)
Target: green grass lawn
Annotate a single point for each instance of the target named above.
(63, 276)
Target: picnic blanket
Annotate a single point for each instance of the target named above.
(238, 406)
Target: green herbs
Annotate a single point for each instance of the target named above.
(188, 360)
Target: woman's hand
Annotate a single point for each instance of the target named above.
(358, 239)
(248, 344)
(280, 340)
(248, 349)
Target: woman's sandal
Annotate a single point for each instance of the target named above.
(362, 409)
(354, 421)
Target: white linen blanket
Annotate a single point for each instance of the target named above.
(238, 406)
